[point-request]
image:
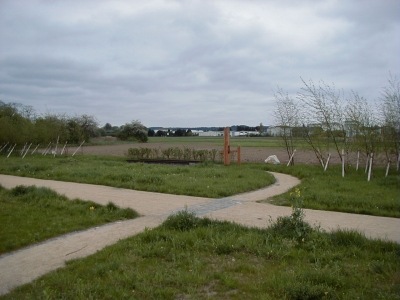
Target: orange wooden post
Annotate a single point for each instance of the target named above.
(227, 156)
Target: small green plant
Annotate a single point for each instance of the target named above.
(177, 152)
(293, 226)
(187, 153)
(182, 221)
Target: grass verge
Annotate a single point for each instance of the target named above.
(191, 258)
(353, 194)
(202, 180)
(29, 215)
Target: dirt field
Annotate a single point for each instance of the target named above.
(248, 154)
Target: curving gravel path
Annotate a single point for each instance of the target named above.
(27, 264)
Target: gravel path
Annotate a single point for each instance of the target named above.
(27, 264)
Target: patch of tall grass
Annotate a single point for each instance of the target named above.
(193, 258)
(29, 215)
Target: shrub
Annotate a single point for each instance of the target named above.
(182, 221)
(293, 226)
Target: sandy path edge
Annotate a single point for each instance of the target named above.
(23, 266)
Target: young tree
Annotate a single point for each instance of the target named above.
(389, 110)
(325, 104)
(133, 131)
(88, 125)
(361, 124)
(286, 116)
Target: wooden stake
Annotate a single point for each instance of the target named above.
(227, 157)
(26, 151)
(327, 162)
(35, 149)
(55, 151)
(45, 150)
(64, 147)
(366, 163)
(23, 149)
(2, 148)
(387, 168)
(358, 158)
(319, 158)
(342, 163)
(370, 166)
(291, 157)
(78, 148)
(11, 150)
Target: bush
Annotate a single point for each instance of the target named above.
(293, 226)
(181, 221)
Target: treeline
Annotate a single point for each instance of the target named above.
(19, 124)
(328, 120)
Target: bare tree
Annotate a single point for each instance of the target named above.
(389, 110)
(325, 105)
(362, 124)
(286, 116)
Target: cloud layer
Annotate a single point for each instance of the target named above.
(190, 63)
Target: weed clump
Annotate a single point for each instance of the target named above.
(181, 221)
(293, 226)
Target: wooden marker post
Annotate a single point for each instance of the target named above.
(387, 168)
(227, 149)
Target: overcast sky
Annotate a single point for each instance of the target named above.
(190, 63)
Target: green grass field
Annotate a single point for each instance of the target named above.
(30, 215)
(321, 190)
(191, 258)
(203, 180)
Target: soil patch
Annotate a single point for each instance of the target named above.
(248, 154)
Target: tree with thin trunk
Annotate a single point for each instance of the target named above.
(325, 104)
(362, 125)
(389, 113)
(286, 117)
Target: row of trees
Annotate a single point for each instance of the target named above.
(19, 124)
(327, 120)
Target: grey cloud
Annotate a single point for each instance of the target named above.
(203, 58)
